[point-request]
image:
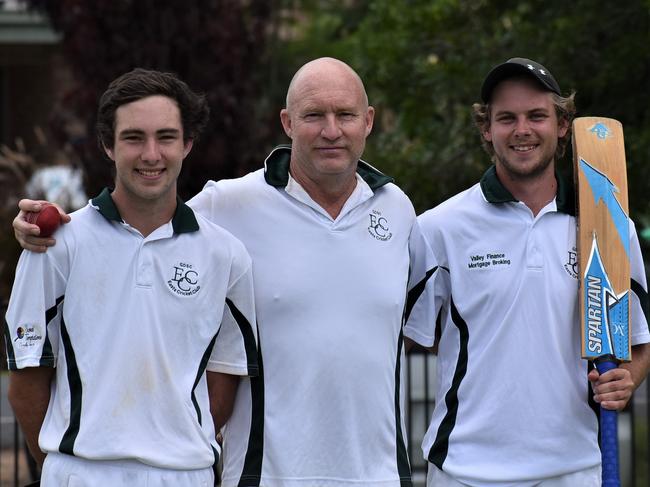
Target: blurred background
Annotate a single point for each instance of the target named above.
(422, 63)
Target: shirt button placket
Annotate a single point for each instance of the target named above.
(143, 270)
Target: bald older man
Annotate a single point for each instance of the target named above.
(338, 265)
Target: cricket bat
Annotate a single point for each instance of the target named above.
(603, 244)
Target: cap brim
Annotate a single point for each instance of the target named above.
(509, 70)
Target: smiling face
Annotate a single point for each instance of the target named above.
(523, 129)
(148, 152)
(328, 119)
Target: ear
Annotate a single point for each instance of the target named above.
(109, 152)
(370, 118)
(285, 118)
(487, 135)
(187, 147)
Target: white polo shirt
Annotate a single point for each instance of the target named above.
(330, 298)
(512, 391)
(131, 325)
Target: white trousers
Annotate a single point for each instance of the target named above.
(590, 477)
(60, 470)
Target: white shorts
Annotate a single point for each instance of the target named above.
(60, 470)
(589, 477)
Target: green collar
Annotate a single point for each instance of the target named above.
(276, 170)
(495, 192)
(183, 221)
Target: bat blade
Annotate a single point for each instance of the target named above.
(603, 244)
(603, 239)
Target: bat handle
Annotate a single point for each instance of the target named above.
(608, 433)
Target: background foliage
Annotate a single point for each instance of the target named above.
(422, 61)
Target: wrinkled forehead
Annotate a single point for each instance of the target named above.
(326, 80)
(329, 97)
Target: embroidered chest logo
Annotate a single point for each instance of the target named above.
(26, 336)
(378, 227)
(571, 265)
(185, 280)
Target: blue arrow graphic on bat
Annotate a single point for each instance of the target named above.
(603, 189)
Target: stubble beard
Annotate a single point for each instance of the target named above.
(519, 173)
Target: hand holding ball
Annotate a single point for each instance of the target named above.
(48, 219)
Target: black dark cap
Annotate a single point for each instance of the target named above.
(514, 67)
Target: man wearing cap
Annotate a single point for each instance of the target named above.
(512, 391)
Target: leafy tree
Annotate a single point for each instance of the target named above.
(424, 62)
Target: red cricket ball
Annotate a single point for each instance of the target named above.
(48, 219)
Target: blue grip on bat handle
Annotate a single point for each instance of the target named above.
(608, 434)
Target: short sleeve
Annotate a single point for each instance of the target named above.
(235, 351)
(34, 314)
(639, 297)
(423, 300)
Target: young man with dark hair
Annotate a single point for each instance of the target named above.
(127, 339)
